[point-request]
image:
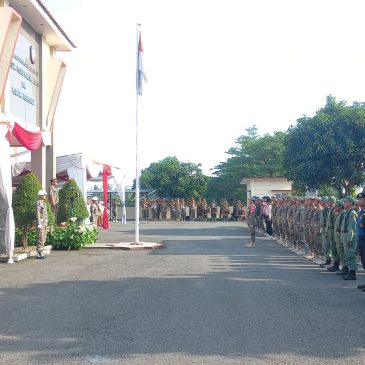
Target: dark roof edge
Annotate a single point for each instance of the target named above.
(55, 22)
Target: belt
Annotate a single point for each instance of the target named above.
(346, 231)
(338, 230)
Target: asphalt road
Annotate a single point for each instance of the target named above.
(204, 299)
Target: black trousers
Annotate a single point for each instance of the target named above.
(268, 226)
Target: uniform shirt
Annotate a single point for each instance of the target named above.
(323, 217)
(360, 226)
(42, 214)
(331, 217)
(251, 214)
(338, 221)
(53, 195)
(348, 226)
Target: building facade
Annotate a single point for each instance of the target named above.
(35, 72)
(31, 77)
(267, 186)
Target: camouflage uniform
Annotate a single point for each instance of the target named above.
(324, 233)
(274, 218)
(291, 223)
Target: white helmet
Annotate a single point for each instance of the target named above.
(95, 198)
(42, 192)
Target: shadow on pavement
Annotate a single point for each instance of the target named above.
(243, 307)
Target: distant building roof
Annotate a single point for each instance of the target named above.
(245, 179)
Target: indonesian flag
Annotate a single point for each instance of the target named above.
(141, 76)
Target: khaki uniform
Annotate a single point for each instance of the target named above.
(324, 232)
(94, 214)
(252, 222)
(42, 223)
(54, 200)
(291, 224)
(274, 219)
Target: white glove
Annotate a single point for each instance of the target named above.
(40, 226)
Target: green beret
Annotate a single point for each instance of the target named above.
(332, 199)
(349, 199)
(324, 198)
(339, 202)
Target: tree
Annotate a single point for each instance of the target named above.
(174, 179)
(327, 149)
(252, 155)
(72, 203)
(24, 205)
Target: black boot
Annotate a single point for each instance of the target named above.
(362, 287)
(328, 262)
(350, 276)
(343, 271)
(335, 267)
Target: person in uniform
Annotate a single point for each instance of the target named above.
(164, 209)
(349, 239)
(94, 211)
(191, 209)
(205, 210)
(324, 233)
(42, 223)
(177, 210)
(224, 210)
(360, 231)
(284, 220)
(155, 210)
(274, 219)
(144, 207)
(340, 214)
(213, 211)
(291, 222)
(183, 209)
(267, 211)
(316, 232)
(280, 234)
(54, 197)
(114, 211)
(251, 215)
(330, 227)
(308, 228)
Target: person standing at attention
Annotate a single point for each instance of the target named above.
(252, 222)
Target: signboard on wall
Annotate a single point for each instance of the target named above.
(23, 81)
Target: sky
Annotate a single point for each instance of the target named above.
(214, 68)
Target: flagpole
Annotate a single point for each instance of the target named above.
(137, 146)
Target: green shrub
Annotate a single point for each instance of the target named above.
(68, 237)
(71, 236)
(24, 205)
(70, 193)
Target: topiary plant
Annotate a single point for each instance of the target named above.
(71, 203)
(24, 205)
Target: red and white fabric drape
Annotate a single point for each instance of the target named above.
(106, 173)
(6, 189)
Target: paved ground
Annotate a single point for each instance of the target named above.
(204, 299)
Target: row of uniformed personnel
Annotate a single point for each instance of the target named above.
(325, 229)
